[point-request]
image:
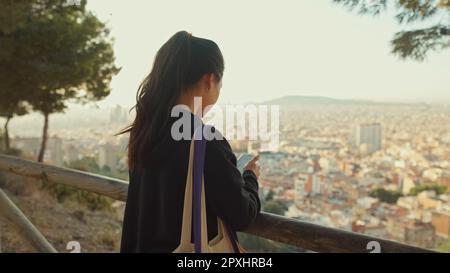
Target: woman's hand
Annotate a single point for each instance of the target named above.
(253, 166)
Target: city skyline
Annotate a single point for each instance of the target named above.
(98, 113)
(397, 189)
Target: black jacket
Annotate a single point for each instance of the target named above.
(154, 208)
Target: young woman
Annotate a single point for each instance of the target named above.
(184, 67)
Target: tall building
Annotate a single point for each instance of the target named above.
(316, 183)
(441, 222)
(71, 153)
(407, 183)
(118, 115)
(305, 184)
(55, 151)
(300, 188)
(108, 156)
(368, 136)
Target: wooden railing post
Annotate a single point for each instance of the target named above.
(24, 227)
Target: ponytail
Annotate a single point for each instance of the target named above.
(178, 64)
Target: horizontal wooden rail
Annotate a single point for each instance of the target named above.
(278, 228)
(114, 188)
(320, 238)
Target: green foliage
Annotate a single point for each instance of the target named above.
(13, 14)
(438, 189)
(91, 200)
(52, 52)
(274, 207)
(270, 195)
(386, 196)
(12, 152)
(257, 244)
(86, 164)
(68, 55)
(415, 43)
(444, 247)
(89, 164)
(364, 7)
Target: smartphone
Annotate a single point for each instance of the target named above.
(243, 160)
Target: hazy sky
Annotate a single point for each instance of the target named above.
(275, 48)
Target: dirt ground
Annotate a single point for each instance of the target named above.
(60, 223)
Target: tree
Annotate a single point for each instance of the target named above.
(13, 14)
(415, 43)
(438, 189)
(274, 207)
(386, 196)
(63, 52)
(270, 195)
(12, 87)
(10, 107)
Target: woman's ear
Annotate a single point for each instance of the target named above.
(205, 82)
(212, 81)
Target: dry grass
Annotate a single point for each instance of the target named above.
(97, 230)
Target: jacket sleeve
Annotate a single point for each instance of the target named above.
(234, 196)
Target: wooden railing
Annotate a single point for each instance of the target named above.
(278, 228)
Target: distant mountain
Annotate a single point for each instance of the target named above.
(317, 100)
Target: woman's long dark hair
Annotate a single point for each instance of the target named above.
(178, 64)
